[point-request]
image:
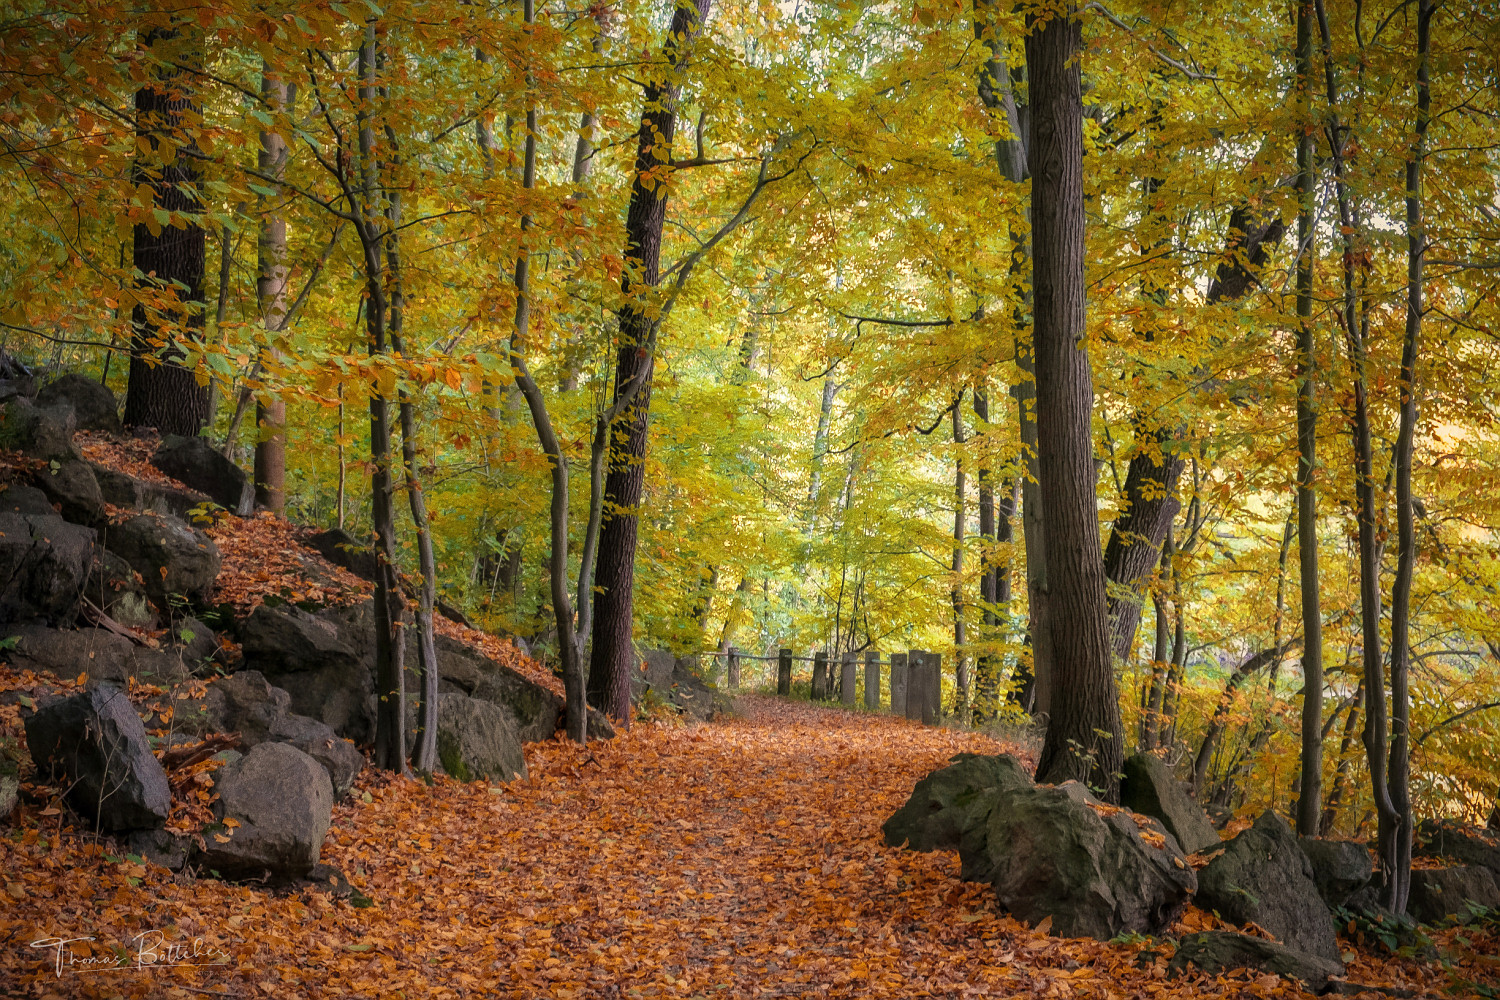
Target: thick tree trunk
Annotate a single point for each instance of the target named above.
(613, 654)
(1084, 736)
(1310, 785)
(270, 288)
(161, 393)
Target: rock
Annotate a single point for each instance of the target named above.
(1220, 951)
(475, 740)
(119, 591)
(153, 543)
(44, 565)
(534, 711)
(18, 499)
(1444, 838)
(343, 549)
(196, 464)
(196, 641)
(1263, 877)
(95, 743)
(953, 800)
(311, 657)
(295, 640)
(675, 679)
(1340, 868)
(94, 406)
(10, 785)
(100, 654)
(126, 491)
(37, 432)
(1055, 851)
(70, 484)
(1149, 787)
(659, 666)
(246, 703)
(282, 802)
(1451, 893)
(159, 847)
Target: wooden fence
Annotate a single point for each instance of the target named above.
(908, 684)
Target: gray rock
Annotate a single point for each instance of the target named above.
(475, 740)
(1443, 838)
(1340, 868)
(1054, 851)
(97, 652)
(311, 657)
(19, 499)
(10, 785)
(44, 565)
(293, 640)
(952, 801)
(126, 491)
(533, 710)
(246, 703)
(94, 406)
(1263, 877)
(343, 549)
(1220, 951)
(159, 847)
(1149, 787)
(196, 464)
(37, 432)
(119, 591)
(676, 680)
(94, 742)
(1444, 894)
(282, 802)
(196, 641)
(173, 558)
(70, 484)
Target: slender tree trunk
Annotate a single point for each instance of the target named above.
(1220, 719)
(1341, 771)
(1398, 887)
(956, 594)
(1310, 784)
(820, 445)
(987, 664)
(613, 654)
(1084, 737)
(169, 260)
(270, 288)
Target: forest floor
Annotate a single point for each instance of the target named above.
(735, 859)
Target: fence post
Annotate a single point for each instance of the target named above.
(932, 676)
(734, 668)
(916, 684)
(899, 686)
(820, 675)
(848, 675)
(872, 679)
(783, 671)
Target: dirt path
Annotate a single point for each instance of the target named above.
(738, 859)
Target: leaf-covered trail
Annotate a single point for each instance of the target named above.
(736, 859)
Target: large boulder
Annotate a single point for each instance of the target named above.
(675, 679)
(1098, 871)
(16, 498)
(280, 801)
(313, 658)
(70, 484)
(195, 463)
(1263, 877)
(119, 591)
(1220, 951)
(1444, 838)
(44, 565)
(1439, 894)
(1149, 787)
(343, 549)
(94, 744)
(1340, 868)
(125, 490)
(98, 653)
(94, 406)
(246, 703)
(174, 559)
(952, 801)
(475, 740)
(533, 710)
(38, 432)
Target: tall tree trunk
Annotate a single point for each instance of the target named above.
(270, 288)
(1341, 770)
(1220, 719)
(1084, 736)
(992, 572)
(169, 260)
(613, 654)
(956, 594)
(1310, 784)
(1398, 886)
(820, 446)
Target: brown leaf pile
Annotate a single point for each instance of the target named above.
(741, 859)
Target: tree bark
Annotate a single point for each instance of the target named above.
(613, 654)
(1084, 737)
(956, 593)
(161, 393)
(270, 288)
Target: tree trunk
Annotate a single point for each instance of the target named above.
(161, 393)
(270, 289)
(987, 664)
(613, 655)
(1341, 771)
(1220, 718)
(820, 445)
(1310, 785)
(1084, 738)
(956, 593)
